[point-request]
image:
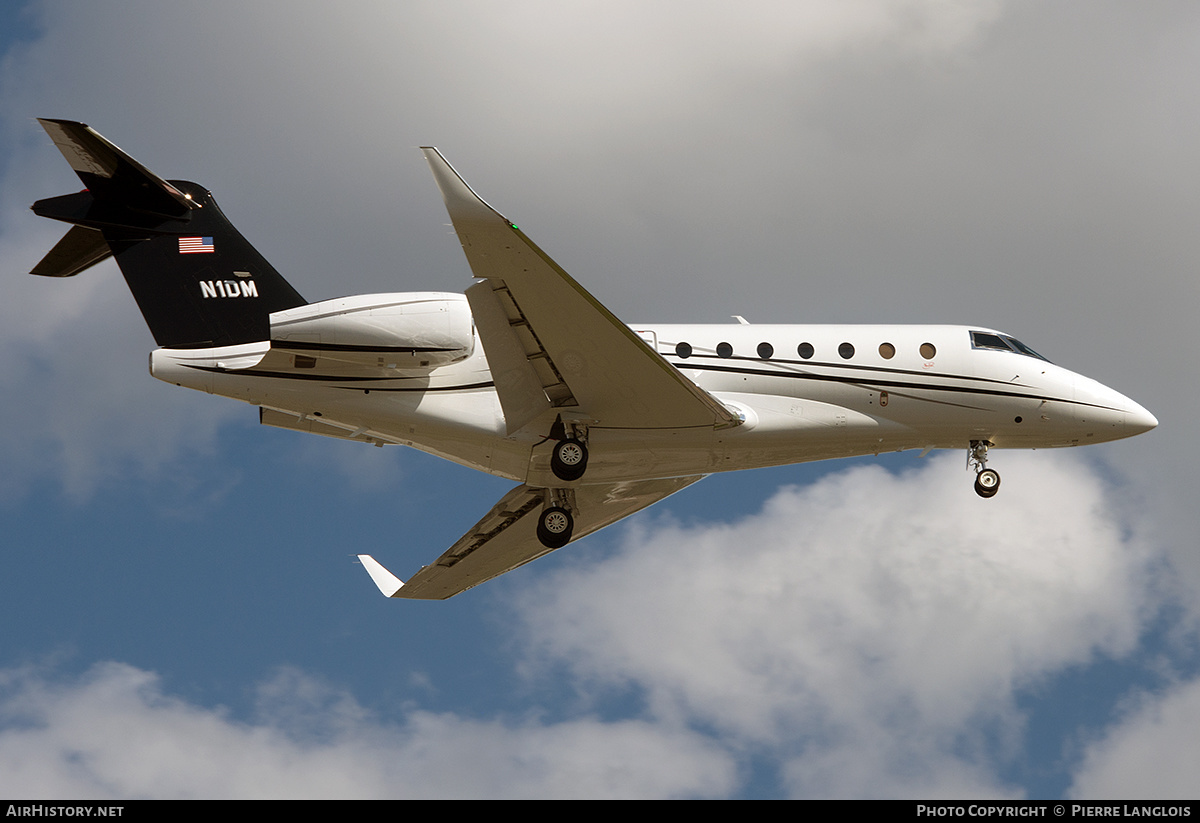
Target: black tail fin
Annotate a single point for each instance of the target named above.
(196, 280)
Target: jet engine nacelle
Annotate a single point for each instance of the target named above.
(420, 329)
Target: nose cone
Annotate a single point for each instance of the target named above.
(1137, 419)
(1111, 414)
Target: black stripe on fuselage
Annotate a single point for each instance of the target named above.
(300, 345)
(887, 384)
(806, 364)
(487, 385)
(691, 363)
(327, 378)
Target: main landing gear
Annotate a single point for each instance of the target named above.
(569, 459)
(554, 528)
(987, 481)
(568, 462)
(556, 522)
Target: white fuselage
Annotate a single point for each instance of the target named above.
(409, 369)
(528, 376)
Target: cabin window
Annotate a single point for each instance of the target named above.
(846, 350)
(928, 351)
(724, 350)
(887, 351)
(805, 350)
(765, 350)
(684, 350)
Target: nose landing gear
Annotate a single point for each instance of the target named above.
(987, 481)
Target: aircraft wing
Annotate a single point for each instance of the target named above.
(507, 536)
(554, 343)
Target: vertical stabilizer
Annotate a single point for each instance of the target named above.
(197, 281)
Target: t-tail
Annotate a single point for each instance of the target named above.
(197, 281)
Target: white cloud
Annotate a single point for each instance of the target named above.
(869, 635)
(114, 733)
(884, 620)
(1150, 753)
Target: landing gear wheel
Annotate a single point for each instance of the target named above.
(987, 483)
(569, 459)
(554, 528)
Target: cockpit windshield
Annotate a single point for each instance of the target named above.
(1001, 342)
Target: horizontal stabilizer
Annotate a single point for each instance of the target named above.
(80, 249)
(111, 174)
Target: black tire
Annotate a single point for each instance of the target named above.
(554, 527)
(987, 483)
(569, 459)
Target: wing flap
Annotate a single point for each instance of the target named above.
(608, 373)
(506, 537)
(522, 393)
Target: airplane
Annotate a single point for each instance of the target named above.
(527, 376)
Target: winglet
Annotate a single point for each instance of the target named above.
(387, 582)
(461, 200)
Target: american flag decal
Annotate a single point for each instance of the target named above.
(196, 245)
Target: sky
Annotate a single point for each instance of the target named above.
(183, 615)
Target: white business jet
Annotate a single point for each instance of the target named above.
(529, 377)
